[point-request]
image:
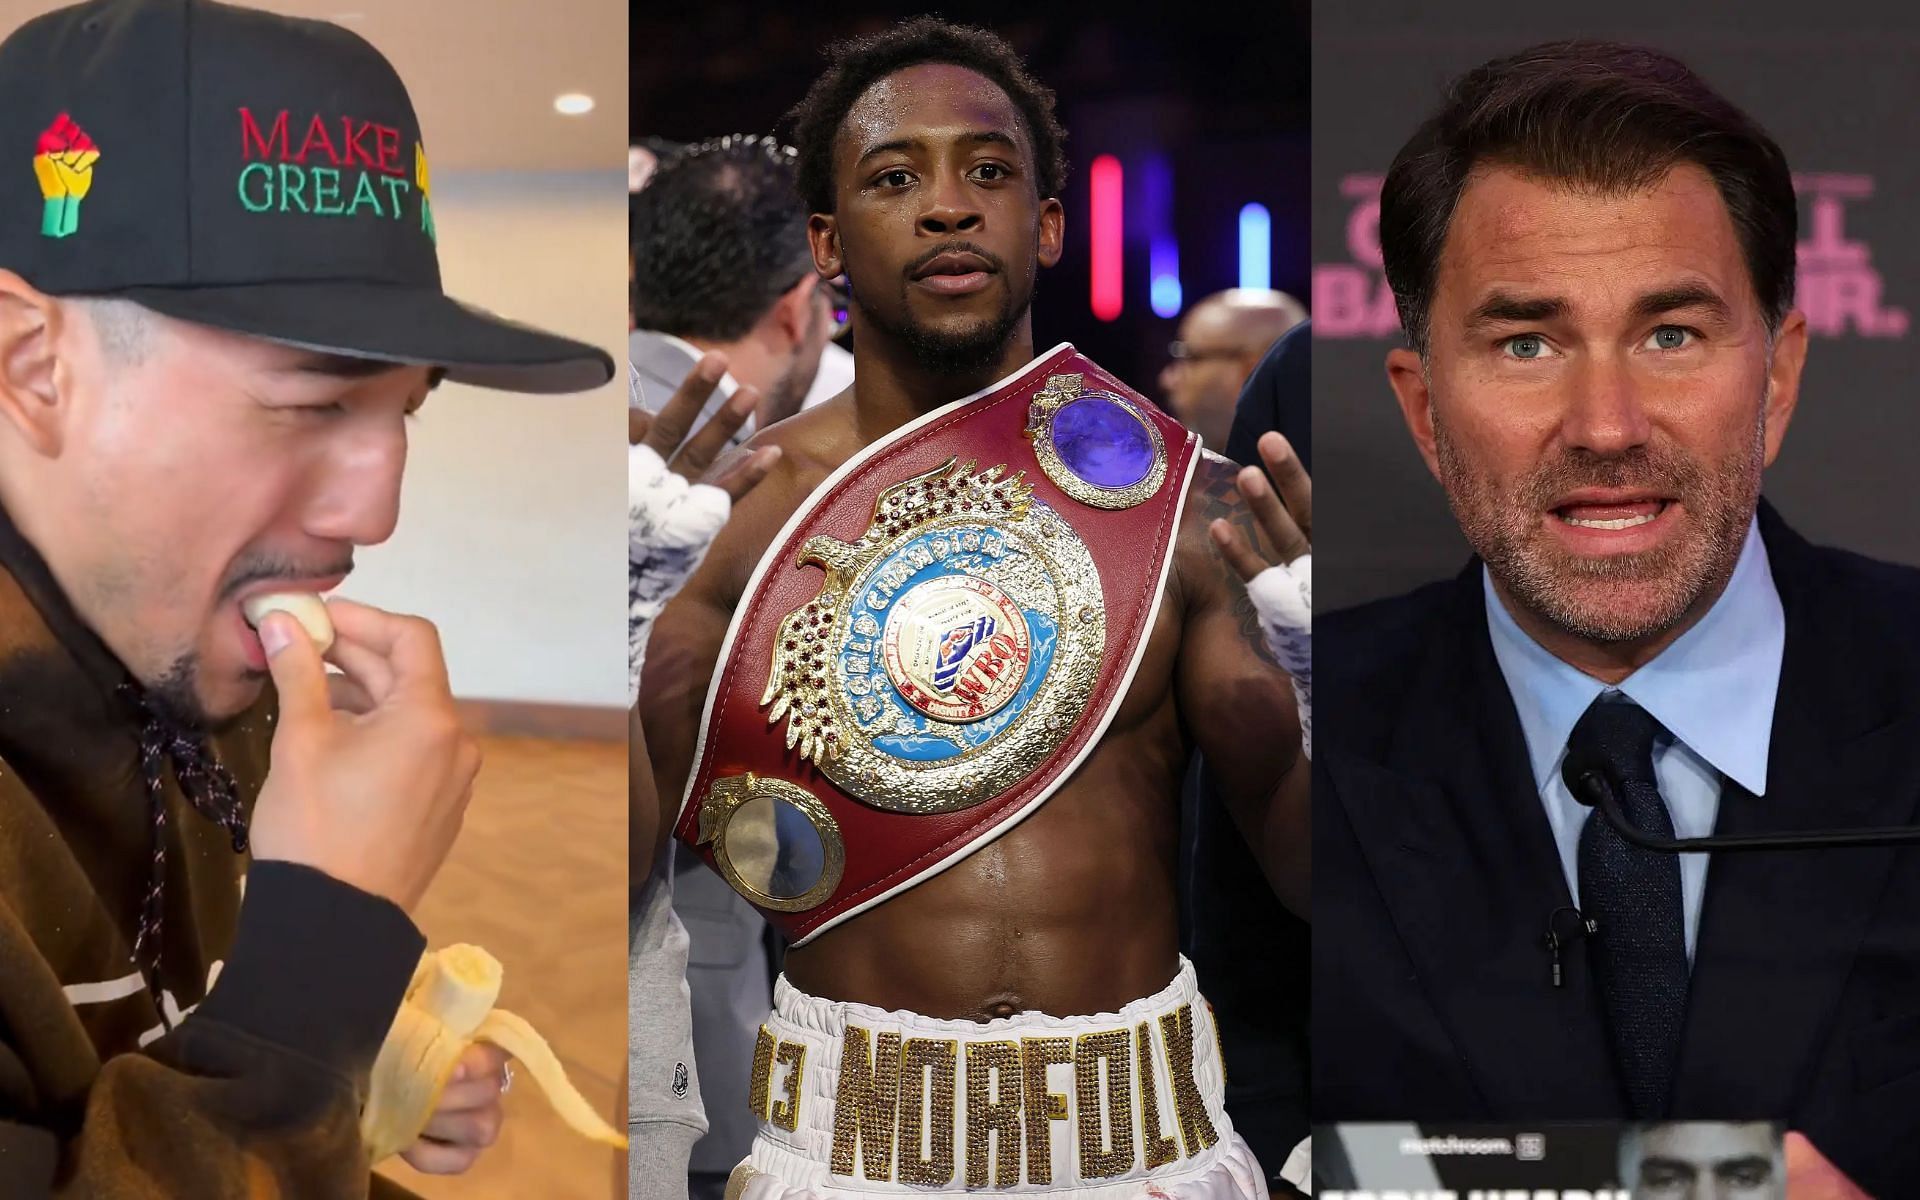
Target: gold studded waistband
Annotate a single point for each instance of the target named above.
(873, 1098)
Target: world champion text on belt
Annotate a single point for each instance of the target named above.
(968, 607)
(954, 648)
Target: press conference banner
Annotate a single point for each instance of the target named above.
(1593, 1161)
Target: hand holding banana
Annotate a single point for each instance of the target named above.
(371, 771)
(398, 752)
(450, 1006)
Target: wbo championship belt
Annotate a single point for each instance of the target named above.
(935, 641)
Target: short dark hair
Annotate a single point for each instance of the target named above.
(717, 235)
(1597, 114)
(856, 64)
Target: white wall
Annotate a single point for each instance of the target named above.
(512, 535)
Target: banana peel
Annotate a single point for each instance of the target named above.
(449, 1005)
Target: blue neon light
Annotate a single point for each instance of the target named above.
(1256, 247)
(1163, 268)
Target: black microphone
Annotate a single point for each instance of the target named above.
(1587, 777)
(1583, 926)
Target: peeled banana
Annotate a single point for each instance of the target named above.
(304, 607)
(449, 1005)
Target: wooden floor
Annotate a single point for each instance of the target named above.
(539, 878)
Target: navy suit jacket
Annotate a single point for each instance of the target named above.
(1435, 876)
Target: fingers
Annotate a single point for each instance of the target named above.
(419, 661)
(676, 417)
(471, 1094)
(482, 1060)
(362, 623)
(1274, 520)
(410, 647)
(365, 667)
(298, 674)
(468, 1118)
(474, 1127)
(639, 420)
(746, 471)
(698, 454)
(1290, 477)
(347, 696)
(476, 1080)
(1811, 1177)
(434, 1158)
(468, 763)
(1242, 557)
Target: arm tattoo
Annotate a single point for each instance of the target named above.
(1220, 499)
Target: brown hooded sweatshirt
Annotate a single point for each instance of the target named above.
(239, 1066)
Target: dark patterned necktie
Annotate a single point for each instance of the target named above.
(1640, 950)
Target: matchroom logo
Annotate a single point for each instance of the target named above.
(1838, 287)
(64, 166)
(1527, 1147)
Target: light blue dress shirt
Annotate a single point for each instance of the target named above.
(1713, 689)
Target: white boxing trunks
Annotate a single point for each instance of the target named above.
(857, 1102)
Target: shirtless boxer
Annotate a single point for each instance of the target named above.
(932, 164)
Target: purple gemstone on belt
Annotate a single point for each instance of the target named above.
(1102, 442)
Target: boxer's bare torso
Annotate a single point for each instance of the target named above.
(1074, 910)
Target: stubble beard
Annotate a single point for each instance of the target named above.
(966, 351)
(1617, 598)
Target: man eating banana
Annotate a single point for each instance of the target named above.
(209, 843)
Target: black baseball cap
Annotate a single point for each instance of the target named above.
(244, 170)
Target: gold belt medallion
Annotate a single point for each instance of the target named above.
(1096, 446)
(951, 649)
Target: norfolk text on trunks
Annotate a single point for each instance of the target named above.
(931, 1111)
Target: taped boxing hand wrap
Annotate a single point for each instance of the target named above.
(670, 524)
(1282, 599)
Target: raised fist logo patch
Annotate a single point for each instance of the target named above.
(64, 166)
(425, 179)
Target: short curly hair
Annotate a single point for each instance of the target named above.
(717, 236)
(856, 64)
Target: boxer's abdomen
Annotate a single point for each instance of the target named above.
(1073, 911)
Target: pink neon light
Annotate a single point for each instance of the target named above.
(1103, 180)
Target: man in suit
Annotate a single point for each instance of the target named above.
(1593, 256)
(1277, 396)
(723, 279)
(718, 240)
